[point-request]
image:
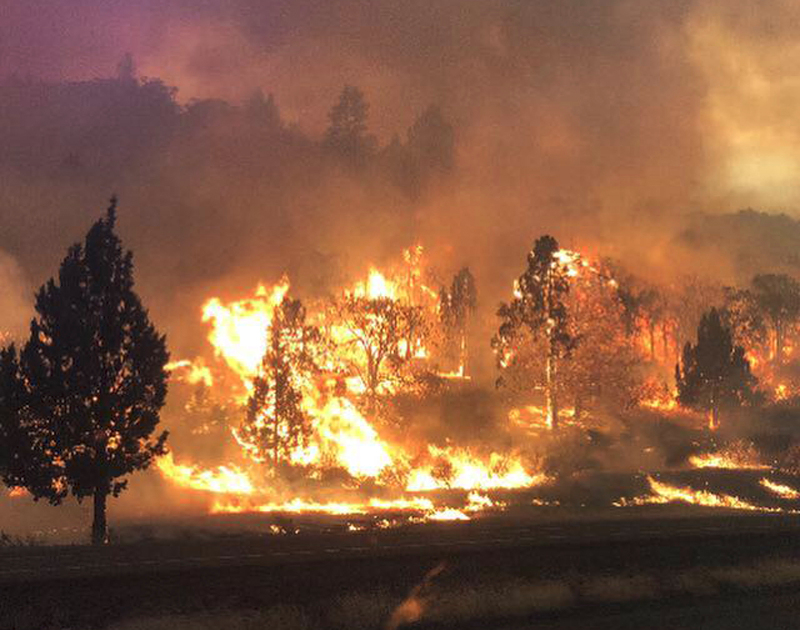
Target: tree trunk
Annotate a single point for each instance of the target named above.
(550, 392)
(713, 421)
(652, 326)
(99, 524)
(275, 447)
(462, 363)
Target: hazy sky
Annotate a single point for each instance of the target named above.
(731, 66)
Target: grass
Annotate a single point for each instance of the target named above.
(450, 606)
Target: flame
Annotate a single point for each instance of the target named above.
(661, 403)
(238, 330)
(423, 507)
(737, 456)
(447, 514)
(295, 506)
(666, 493)
(190, 372)
(17, 492)
(376, 286)
(341, 435)
(477, 502)
(783, 491)
(470, 473)
(357, 445)
(222, 480)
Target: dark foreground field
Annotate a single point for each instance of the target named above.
(644, 569)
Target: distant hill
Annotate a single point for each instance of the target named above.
(751, 241)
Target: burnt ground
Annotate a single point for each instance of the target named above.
(494, 573)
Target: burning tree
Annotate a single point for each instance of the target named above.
(747, 324)
(383, 331)
(538, 311)
(643, 306)
(275, 423)
(83, 398)
(714, 372)
(778, 298)
(687, 304)
(456, 306)
(603, 364)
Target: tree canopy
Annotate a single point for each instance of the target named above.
(538, 309)
(347, 128)
(714, 373)
(778, 298)
(275, 422)
(82, 399)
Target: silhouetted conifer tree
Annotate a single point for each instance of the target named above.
(81, 401)
(456, 305)
(714, 372)
(347, 128)
(276, 423)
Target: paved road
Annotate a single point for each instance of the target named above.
(444, 540)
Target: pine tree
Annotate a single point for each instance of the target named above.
(83, 397)
(456, 306)
(347, 128)
(538, 310)
(714, 372)
(275, 423)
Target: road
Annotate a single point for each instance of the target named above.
(439, 539)
(88, 586)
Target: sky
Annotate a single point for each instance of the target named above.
(729, 65)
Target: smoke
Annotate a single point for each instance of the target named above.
(603, 124)
(15, 303)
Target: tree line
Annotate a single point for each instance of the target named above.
(80, 399)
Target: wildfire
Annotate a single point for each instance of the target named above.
(238, 329)
(357, 445)
(737, 456)
(661, 404)
(470, 473)
(781, 490)
(341, 435)
(782, 392)
(533, 418)
(376, 286)
(477, 502)
(190, 372)
(421, 509)
(666, 493)
(222, 480)
(447, 514)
